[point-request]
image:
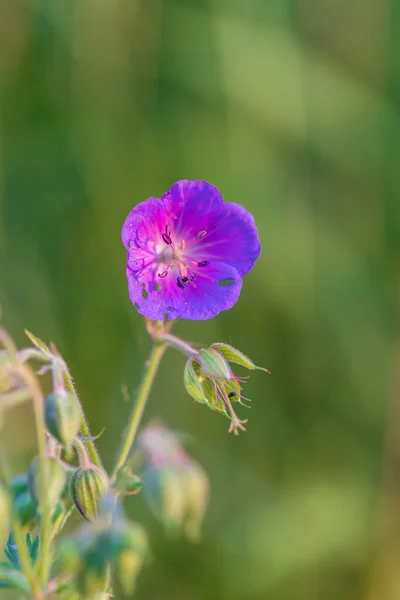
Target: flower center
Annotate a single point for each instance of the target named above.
(173, 257)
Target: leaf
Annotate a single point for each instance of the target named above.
(91, 438)
(231, 354)
(38, 343)
(12, 578)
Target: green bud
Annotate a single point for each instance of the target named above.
(213, 364)
(55, 479)
(18, 485)
(69, 557)
(231, 354)
(88, 486)
(133, 549)
(197, 492)
(127, 482)
(63, 417)
(5, 509)
(25, 510)
(192, 382)
(166, 497)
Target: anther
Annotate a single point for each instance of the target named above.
(185, 280)
(203, 263)
(167, 239)
(180, 283)
(163, 274)
(200, 234)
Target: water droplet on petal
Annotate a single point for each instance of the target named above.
(200, 234)
(203, 263)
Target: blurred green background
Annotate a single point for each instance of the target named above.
(291, 108)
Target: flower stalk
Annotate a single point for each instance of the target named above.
(138, 408)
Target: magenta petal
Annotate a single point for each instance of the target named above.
(187, 252)
(146, 218)
(216, 288)
(233, 239)
(193, 205)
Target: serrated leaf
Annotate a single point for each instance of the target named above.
(11, 578)
(38, 343)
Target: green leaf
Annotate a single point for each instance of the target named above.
(13, 579)
(38, 343)
(91, 438)
(231, 354)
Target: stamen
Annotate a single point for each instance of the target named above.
(167, 239)
(200, 234)
(185, 280)
(180, 283)
(183, 244)
(168, 230)
(203, 263)
(136, 266)
(163, 274)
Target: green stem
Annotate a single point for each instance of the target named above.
(94, 455)
(27, 376)
(82, 453)
(135, 417)
(178, 344)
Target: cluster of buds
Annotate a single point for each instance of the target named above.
(111, 544)
(209, 379)
(175, 485)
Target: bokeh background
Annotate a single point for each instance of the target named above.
(291, 108)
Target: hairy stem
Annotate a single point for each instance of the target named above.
(94, 455)
(135, 417)
(45, 508)
(178, 344)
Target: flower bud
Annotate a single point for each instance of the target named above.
(18, 484)
(208, 378)
(5, 508)
(25, 510)
(126, 482)
(213, 364)
(88, 486)
(176, 487)
(131, 542)
(70, 553)
(54, 479)
(63, 417)
(124, 546)
(197, 492)
(192, 381)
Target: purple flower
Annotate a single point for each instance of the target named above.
(187, 252)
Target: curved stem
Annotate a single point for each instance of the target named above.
(135, 417)
(45, 509)
(178, 344)
(94, 455)
(82, 453)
